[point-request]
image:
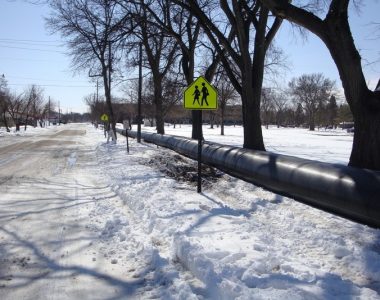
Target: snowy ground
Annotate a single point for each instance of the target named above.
(82, 219)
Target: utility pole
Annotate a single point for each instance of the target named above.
(139, 96)
(59, 113)
(49, 113)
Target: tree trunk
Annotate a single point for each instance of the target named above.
(107, 92)
(252, 84)
(26, 122)
(160, 126)
(311, 121)
(251, 95)
(335, 32)
(253, 136)
(6, 122)
(366, 144)
(196, 115)
(364, 104)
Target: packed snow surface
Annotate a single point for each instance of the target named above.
(83, 219)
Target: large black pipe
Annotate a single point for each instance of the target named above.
(349, 192)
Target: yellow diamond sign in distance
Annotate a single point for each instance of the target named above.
(200, 95)
(104, 118)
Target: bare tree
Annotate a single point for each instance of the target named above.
(267, 106)
(97, 106)
(16, 109)
(332, 111)
(226, 95)
(173, 86)
(92, 29)
(33, 102)
(299, 116)
(4, 100)
(247, 50)
(334, 30)
(280, 104)
(311, 91)
(182, 25)
(161, 53)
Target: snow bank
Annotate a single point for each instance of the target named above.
(238, 240)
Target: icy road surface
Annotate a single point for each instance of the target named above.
(81, 219)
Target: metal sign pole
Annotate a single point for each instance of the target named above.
(199, 130)
(139, 96)
(126, 126)
(200, 95)
(126, 134)
(199, 165)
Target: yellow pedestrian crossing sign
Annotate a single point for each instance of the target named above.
(104, 118)
(200, 95)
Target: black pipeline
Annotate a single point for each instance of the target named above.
(345, 191)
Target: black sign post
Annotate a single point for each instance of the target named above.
(126, 125)
(126, 134)
(200, 95)
(199, 189)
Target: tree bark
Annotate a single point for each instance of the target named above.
(5, 121)
(364, 104)
(253, 136)
(107, 92)
(335, 32)
(158, 104)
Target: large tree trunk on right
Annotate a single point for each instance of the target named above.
(335, 32)
(364, 104)
(366, 144)
(252, 83)
(253, 136)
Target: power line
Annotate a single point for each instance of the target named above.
(44, 79)
(32, 49)
(32, 41)
(29, 60)
(53, 85)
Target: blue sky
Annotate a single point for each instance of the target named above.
(29, 55)
(312, 56)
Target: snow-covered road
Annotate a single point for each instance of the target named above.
(82, 219)
(50, 232)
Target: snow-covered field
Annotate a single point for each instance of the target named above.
(82, 219)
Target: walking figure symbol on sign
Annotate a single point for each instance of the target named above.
(204, 94)
(196, 95)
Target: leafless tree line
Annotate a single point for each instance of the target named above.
(181, 39)
(26, 108)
